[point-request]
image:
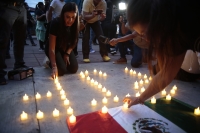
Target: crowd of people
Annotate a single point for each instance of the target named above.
(168, 30)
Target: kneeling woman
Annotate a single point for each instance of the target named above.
(63, 37)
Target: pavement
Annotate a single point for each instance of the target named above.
(79, 91)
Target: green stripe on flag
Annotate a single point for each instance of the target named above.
(177, 112)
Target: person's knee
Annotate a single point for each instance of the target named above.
(62, 71)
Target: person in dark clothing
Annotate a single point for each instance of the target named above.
(13, 16)
(63, 37)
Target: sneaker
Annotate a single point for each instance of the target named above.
(41, 49)
(92, 51)
(120, 61)
(113, 52)
(106, 58)
(86, 60)
(46, 62)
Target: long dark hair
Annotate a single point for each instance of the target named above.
(74, 29)
(163, 27)
(39, 5)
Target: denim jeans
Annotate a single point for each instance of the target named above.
(92, 35)
(96, 27)
(12, 17)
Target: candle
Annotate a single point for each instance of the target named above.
(131, 71)
(153, 100)
(93, 102)
(95, 70)
(100, 73)
(62, 92)
(134, 72)
(66, 102)
(172, 91)
(69, 111)
(108, 93)
(137, 94)
(136, 83)
(197, 111)
(55, 113)
(104, 89)
(63, 97)
(146, 81)
(83, 76)
(49, 94)
(116, 99)
(25, 97)
(141, 82)
(145, 76)
(174, 87)
(55, 80)
(95, 83)
(142, 89)
(86, 72)
(126, 69)
(128, 95)
(104, 100)
(40, 115)
(99, 86)
(88, 77)
(59, 87)
(38, 96)
(139, 74)
(81, 73)
(24, 116)
(92, 81)
(164, 92)
(168, 97)
(125, 105)
(136, 87)
(104, 74)
(104, 110)
(72, 119)
(150, 78)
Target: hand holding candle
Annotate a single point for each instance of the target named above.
(125, 105)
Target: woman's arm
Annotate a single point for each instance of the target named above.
(40, 17)
(52, 45)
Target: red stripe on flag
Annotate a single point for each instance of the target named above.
(95, 122)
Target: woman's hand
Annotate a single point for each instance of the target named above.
(66, 59)
(113, 42)
(132, 101)
(54, 73)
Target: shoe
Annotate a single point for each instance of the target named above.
(106, 58)
(46, 62)
(113, 52)
(41, 49)
(120, 61)
(86, 60)
(34, 44)
(92, 51)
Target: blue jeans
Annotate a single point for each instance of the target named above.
(91, 38)
(12, 17)
(136, 52)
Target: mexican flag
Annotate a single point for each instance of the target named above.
(163, 117)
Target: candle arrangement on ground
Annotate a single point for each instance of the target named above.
(40, 115)
(25, 97)
(55, 113)
(116, 99)
(93, 102)
(70, 111)
(24, 116)
(49, 94)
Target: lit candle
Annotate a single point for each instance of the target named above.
(174, 87)
(86, 72)
(197, 111)
(104, 74)
(134, 72)
(81, 73)
(172, 91)
(139, 74)
(49, 94)
(126, 69)
(104, 110)
(100, 73)
(125, 105)
(136, 87)
(104, 89)
(104, 100)
(66, 102)
(137, 94)
(69, 111)
(168, 97)
(150, 78)
(95, 83)
(146, 81)
(72, 119)
(40, 115)
(59, 87)
(99, 86)
(92, 81)
(153, 100)
(38, 96)
(93, 102)
(62, 92)
(88, 77)
(108, 93)
(136, 83)
(128, 95)
(63, 97)
(142, 89)
(24, 116)
(141, 82)
(164, 92)
(55, 113)
(25, 97)
(95, 70)
(83, 76)
(145, 76)
(55, 80)
(116, 99)
(131, 71)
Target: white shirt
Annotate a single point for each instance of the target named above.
(57, 6)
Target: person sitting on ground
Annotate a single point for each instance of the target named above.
(63, 37)
(171, 27)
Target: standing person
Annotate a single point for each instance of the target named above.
(30, 24)
(63, 38)
(40, 27)
(171, 27)
(13, 16)
(93, 12)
